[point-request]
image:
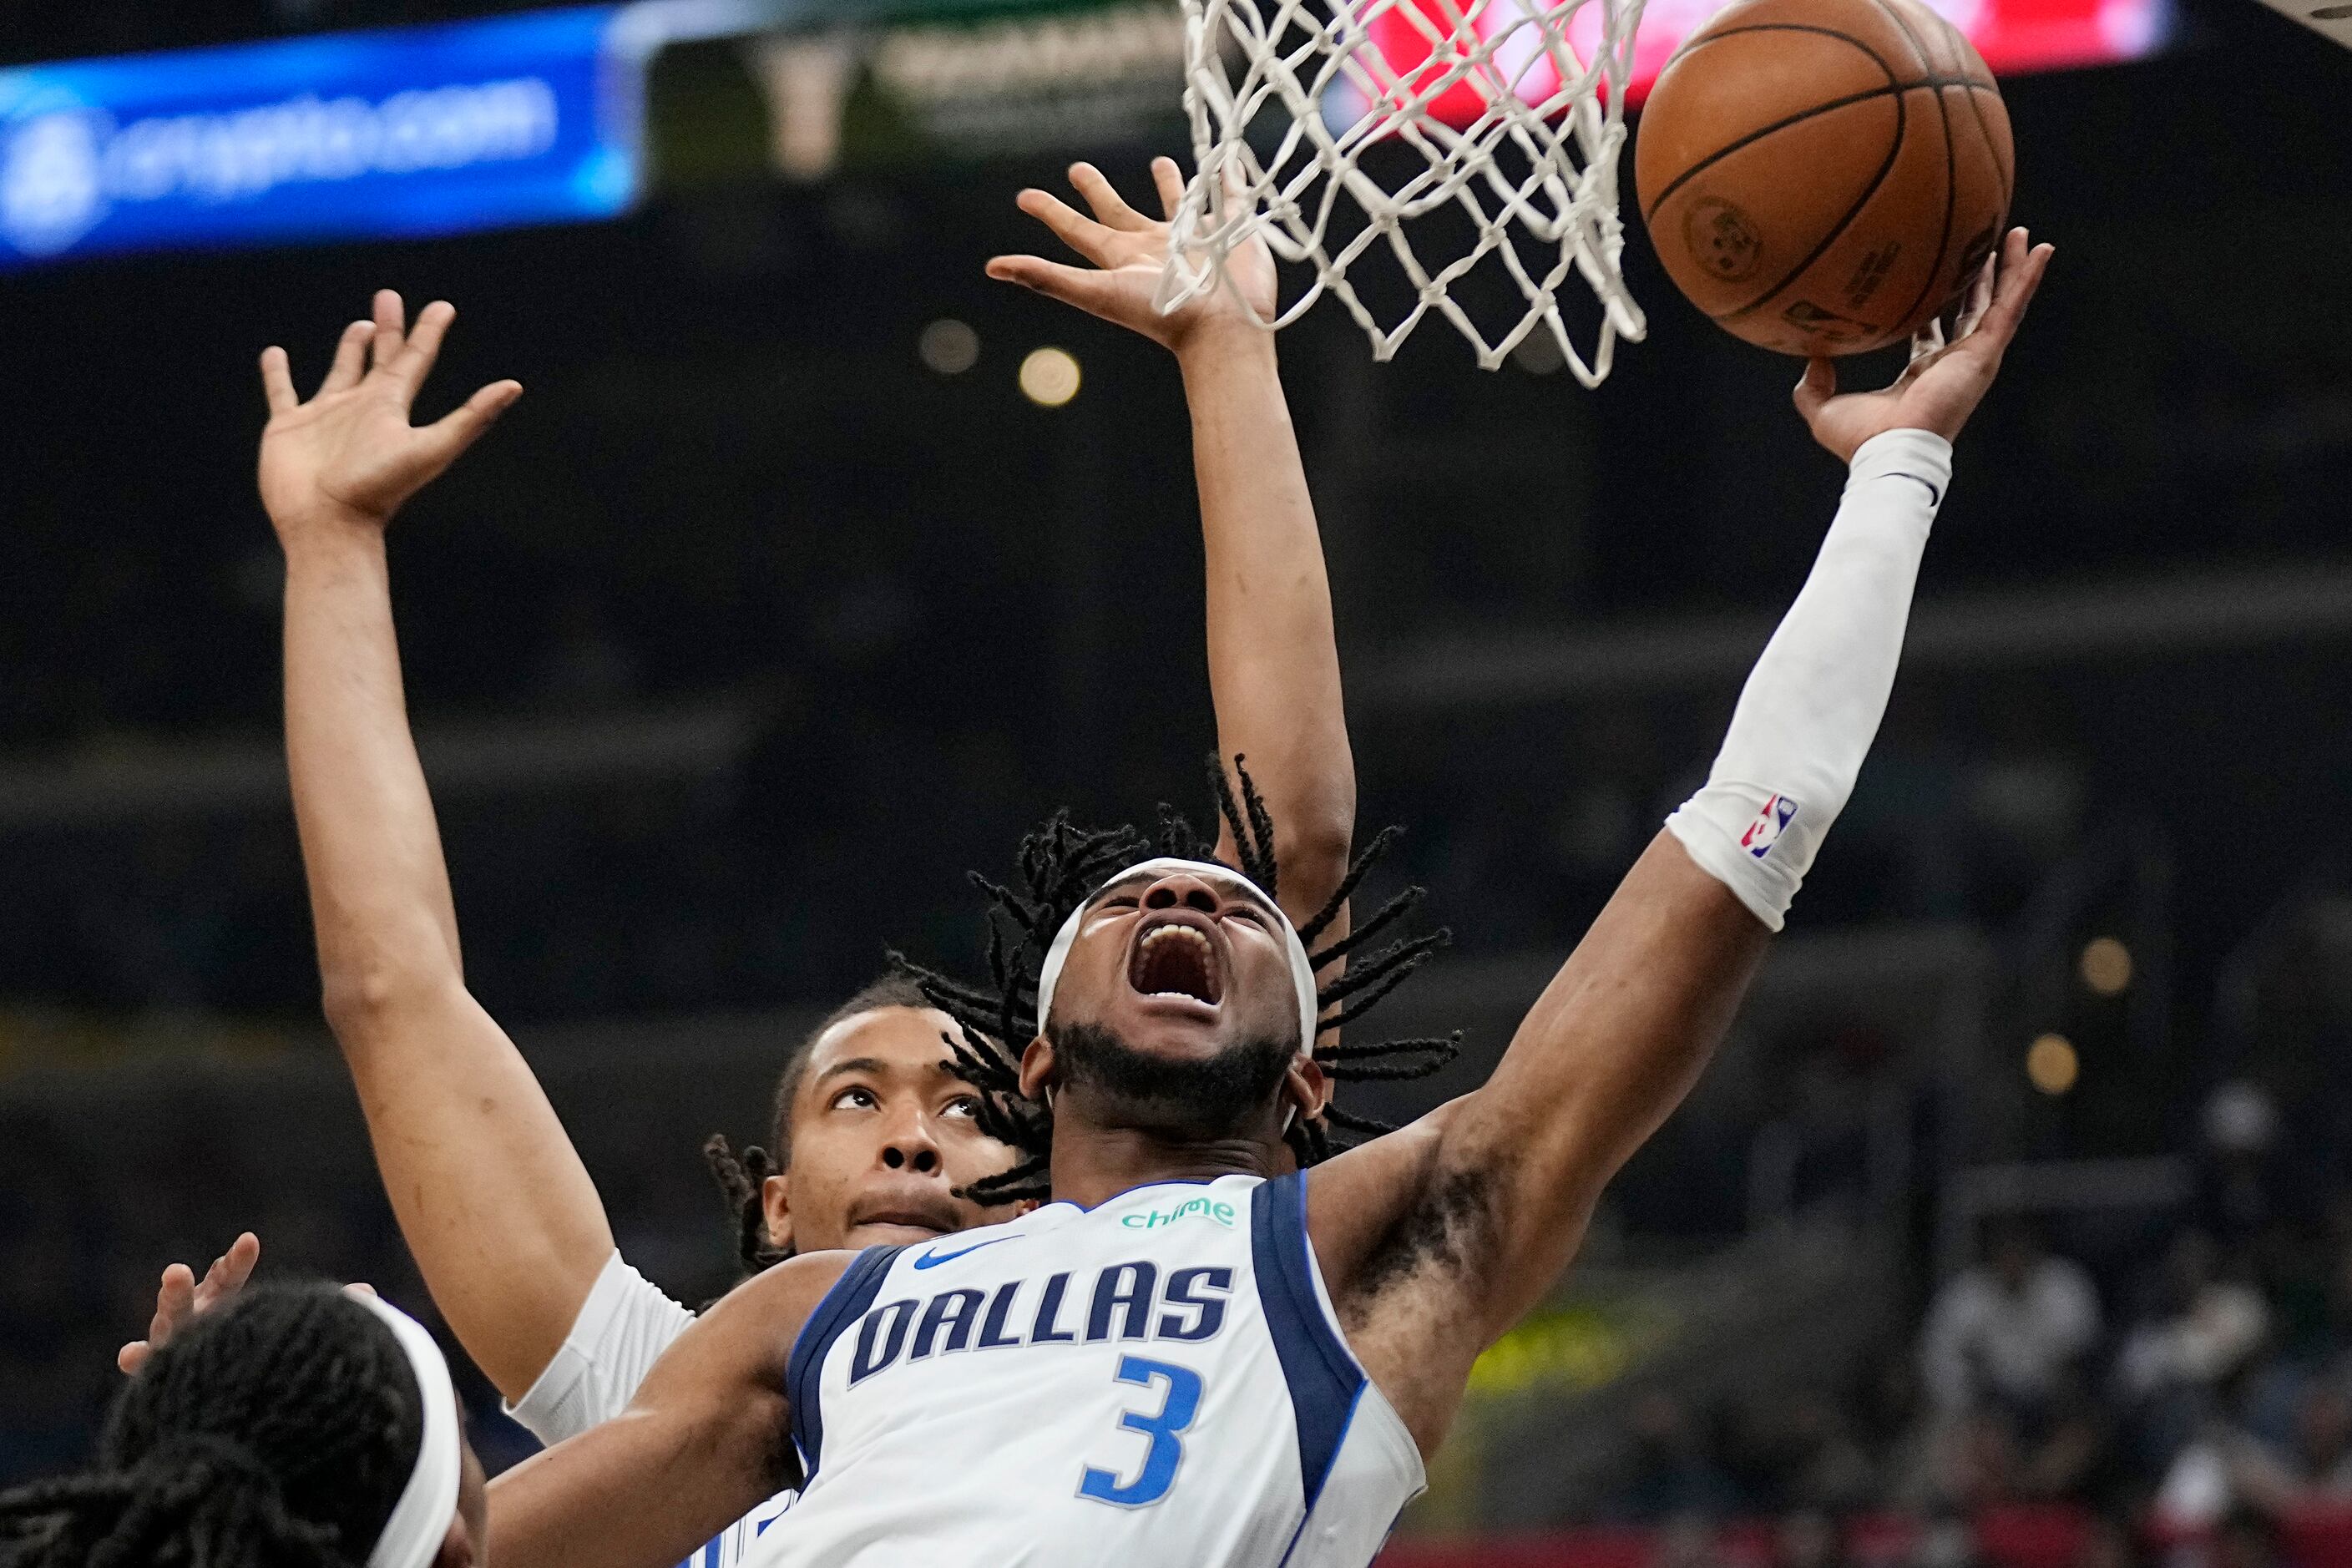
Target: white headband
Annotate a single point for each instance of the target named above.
(1302, 971)
(420, 1521)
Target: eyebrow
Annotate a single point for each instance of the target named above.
(875, 1064)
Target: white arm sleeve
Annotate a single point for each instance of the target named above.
(1812, 703)
(624, 1327)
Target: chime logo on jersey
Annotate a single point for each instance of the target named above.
(1765, 831)
(1126, 1301)
(1211, 1209)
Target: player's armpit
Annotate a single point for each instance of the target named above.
(1435, 1239)
(706, 1438)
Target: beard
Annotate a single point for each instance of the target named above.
(1219, 1098)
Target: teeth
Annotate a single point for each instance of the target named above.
(1201, 960)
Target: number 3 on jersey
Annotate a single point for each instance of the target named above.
(1165, 1427)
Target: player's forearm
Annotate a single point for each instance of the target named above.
(639, 1492)
(1274, 663)
(494, 1202)
(1625, 1028)
(704, 1440)
(1811, 706)
(379, 889)
(1621, 1035)
(1621, 1053)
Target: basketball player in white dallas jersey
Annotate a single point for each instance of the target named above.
(1186, 1358)
(873, 1134)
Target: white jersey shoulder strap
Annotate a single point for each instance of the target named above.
(835, 1313)
(1326, 1383)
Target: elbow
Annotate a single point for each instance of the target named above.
(1312, 848)
(361, 994)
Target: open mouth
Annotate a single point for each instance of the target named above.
(1176, 960)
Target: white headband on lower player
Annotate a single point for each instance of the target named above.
(1302, 970)
(412, 1537)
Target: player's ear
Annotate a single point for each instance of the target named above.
(1038, 1068)
(776, 1202)
(1306, 1087)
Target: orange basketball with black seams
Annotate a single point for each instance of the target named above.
(1824, 176)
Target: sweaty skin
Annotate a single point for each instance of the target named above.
(1431, 1240)
(502, 1216)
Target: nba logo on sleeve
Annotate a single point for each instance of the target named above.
(1765, 831)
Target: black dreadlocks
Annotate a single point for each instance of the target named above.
(1060, 866)
(274, 1432)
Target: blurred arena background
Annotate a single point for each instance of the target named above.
(2015, 1223)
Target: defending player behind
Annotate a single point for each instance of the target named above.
(1187, 1358)
(872, 1136)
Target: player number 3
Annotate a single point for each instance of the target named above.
(1165, 1427)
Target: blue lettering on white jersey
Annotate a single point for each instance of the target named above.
(1159, 1382)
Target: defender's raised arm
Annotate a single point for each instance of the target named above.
(1435, 1240)
(496, 1208)
(1274, 663)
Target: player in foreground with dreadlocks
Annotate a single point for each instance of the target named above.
(295, 1427)
(1188, 1357)
(875, 1135)
(1031, 930)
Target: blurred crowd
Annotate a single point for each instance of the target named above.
(2189, 1400)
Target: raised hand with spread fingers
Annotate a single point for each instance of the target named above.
(350, 453)
(1128, 252)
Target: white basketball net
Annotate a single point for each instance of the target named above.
(1317, 70)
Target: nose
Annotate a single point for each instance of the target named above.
(910, 1147)
(1182, 889)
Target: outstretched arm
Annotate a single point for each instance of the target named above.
(1436, 1239)
(705, 1437)
(493, 1202)
(1274, 665)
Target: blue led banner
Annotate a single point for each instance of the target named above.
(513, 120)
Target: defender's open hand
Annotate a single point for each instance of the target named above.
(181, 1297)
(1944, 381)
(1128, 252)
(350, 452)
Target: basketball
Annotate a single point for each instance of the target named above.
(1824, 176)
